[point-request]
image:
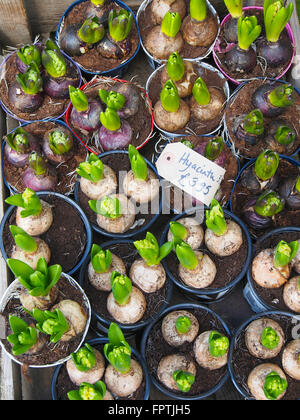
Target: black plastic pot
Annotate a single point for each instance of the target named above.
(255, 301)
(96, 341)
(208, 296)
(102, 324)
(127, 234)
(72, 203)
(156, 383)
(238, 336)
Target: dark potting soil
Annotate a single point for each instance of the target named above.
(92, 60)
(141, 122)
(65, 172)
(228, 268)
(64, 384)
(50, 108)
(260, 70)
(157, 348)
(66, 237)
(287, 217)
(147, 23)
(50, 353)
(212, 79)
(118, 162)
(231, 167)
(274, 297)
(243, 362)
(241, 104)
(154, 301)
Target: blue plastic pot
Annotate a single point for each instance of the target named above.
(254, 300)
(128, 330)
(10, 113)
(155, 62)
(117, 71)
(128, 234)
(11, 188)
(95, 342)
(208, 295)
(199, 64)
(237, 90)
(73, 204)
(235, 340)
(288, 158)
(157, 384)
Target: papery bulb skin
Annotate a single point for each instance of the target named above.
(22, 101)
(241, 61)
(276, 53)
(87, 121)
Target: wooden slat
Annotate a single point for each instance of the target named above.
(14, 25)
(10, 386)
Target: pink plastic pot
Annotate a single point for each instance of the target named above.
(217, 48)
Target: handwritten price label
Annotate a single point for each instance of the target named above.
(190, 171)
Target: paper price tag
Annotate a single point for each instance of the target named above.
(190, 171)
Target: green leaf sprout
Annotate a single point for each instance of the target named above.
(121, 288)
(110, 119)
(285, 135)
(214, 148)
(186, 256)
(101, 260)
(60, 142)
(175, 67)
(23, 240)
(276, 16)
(85, 358)
(118, 351)
(266, 165)
(53, 60)
(88, 392)
(53, 323)
(28, 201)
(18, 140)
(198, 10)
(179, 232)
(79, 99)
(253, 123)
(215, 219)
(282, 96)
(38, 282)
(169, 97)
(150, 251)
(269, 204)
(92, 31)
(119, 24)
(112, 99)
(285, 253)
(201, 93)
(37, 163)
(29, 54)
(171, 24)
(108, 207)
(274, 386)
(138, 164)
(218, 344)
(248, 31)
(270, 339)
(23, 337)
(91, 170)
(31, 82)
(183, 324)
(184, 380)
(235, 8)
